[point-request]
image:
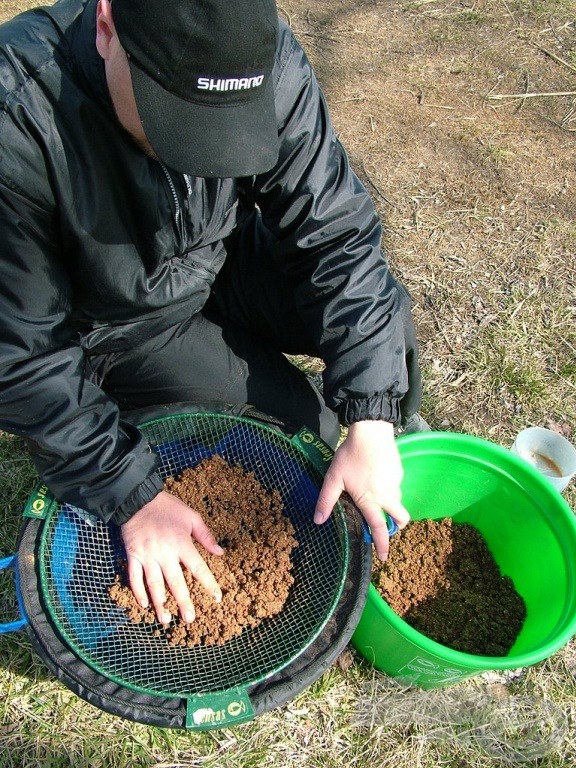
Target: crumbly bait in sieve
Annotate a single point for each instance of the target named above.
(255, 572)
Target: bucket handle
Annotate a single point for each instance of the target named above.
(391, 524)
(14, 626)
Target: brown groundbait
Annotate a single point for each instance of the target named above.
(255, 572)
(441, 579)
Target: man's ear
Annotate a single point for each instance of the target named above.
(105, 29)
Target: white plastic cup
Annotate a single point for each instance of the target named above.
(550, 453)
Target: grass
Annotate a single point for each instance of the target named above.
(351, 715)
(477, 200)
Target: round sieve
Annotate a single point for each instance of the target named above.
(78, 557)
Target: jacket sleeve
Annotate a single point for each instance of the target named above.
(82, 450)
(329, 246)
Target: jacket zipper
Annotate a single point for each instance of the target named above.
(178, 218)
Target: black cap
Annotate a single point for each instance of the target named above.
(202, 78)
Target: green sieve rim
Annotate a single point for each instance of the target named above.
(142, 663)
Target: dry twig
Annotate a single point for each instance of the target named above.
(554, 57)
(499, 96)
(376, 188)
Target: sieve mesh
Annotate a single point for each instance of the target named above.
(79, 557)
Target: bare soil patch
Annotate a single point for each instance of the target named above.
(459, 117)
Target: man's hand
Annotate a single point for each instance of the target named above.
(367, 466)
(158, 538)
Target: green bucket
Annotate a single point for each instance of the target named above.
(528, 527)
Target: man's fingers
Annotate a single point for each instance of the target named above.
(200, 571)
(159, 543)
(154, 583)
(168, 576)
(176, 584)
(327, 499)
(136, 579)
(194, 562)
(204, 536)
(379, 529)
(399, 513)
(376, 520)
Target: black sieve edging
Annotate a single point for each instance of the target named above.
(320, 655)
(72, 570)
(169, 712)
(238, 662)
(154, 708)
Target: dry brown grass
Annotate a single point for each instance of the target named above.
(478, 199)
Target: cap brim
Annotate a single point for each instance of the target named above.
(200, 140)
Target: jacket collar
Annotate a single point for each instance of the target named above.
(87, 60)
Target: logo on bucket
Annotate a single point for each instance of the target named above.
(418, 668)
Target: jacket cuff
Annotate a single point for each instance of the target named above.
(140, 496)
(378, 408)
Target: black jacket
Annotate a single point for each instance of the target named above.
(102, 247)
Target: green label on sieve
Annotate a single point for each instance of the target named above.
(218, 709)
(319, 452)
(39, 502)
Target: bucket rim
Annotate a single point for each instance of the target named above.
(466, 446)
(452, 441)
